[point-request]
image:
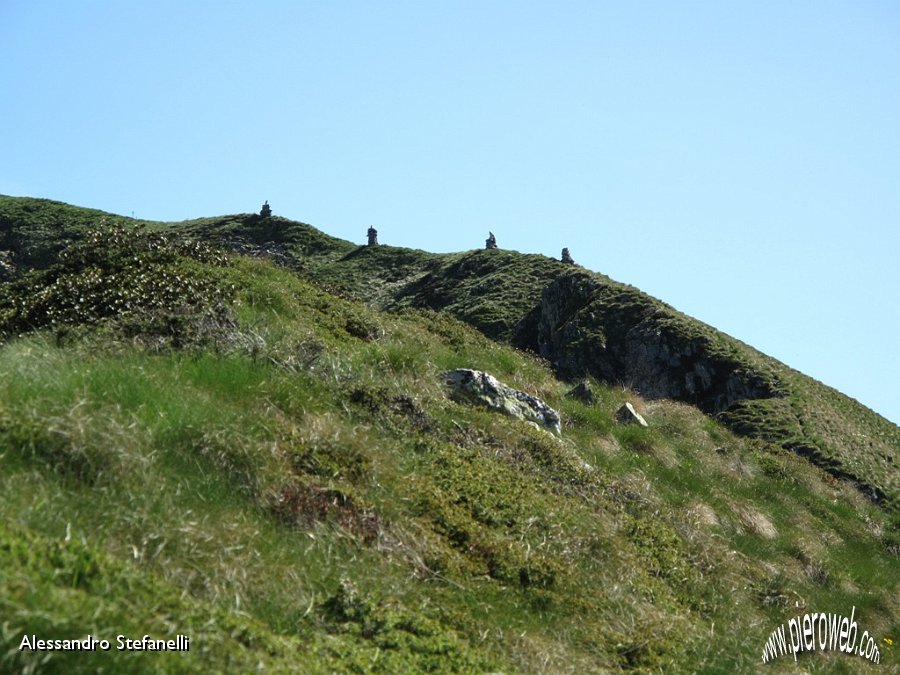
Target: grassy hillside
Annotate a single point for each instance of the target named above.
(586, 324)
(215, 445)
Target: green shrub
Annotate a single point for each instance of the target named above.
(148, 284)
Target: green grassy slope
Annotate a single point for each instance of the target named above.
(599, 327)
(33, 231)
(587, 324)
(279, 473)
(582, 322)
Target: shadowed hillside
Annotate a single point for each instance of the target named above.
(257, 448)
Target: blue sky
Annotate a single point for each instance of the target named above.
(738, 160)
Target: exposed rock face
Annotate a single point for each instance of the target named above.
(628, 415)
(584, 326)
(480, 388)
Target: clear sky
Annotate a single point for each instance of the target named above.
(738, 160)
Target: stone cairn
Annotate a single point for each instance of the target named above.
(491, 241)
(266, 210)
(373, 237)
(566, 256)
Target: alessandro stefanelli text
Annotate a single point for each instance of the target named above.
(181, 643)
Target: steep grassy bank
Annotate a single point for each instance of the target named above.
(586, 324)
(289, 483)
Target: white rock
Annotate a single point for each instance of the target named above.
(627, 415)
(475, 386)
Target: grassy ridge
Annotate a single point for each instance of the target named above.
(288, 482)
(500, 293)
(296, 488)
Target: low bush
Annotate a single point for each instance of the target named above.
(146, 284)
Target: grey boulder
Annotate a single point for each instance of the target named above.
(480, 388)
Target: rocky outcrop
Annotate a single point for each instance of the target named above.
(587, 327)
(585, 324)
(480, 388)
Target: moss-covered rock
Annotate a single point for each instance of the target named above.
(479, 388)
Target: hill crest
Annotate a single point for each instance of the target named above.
(582, 322)
(257, 448)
